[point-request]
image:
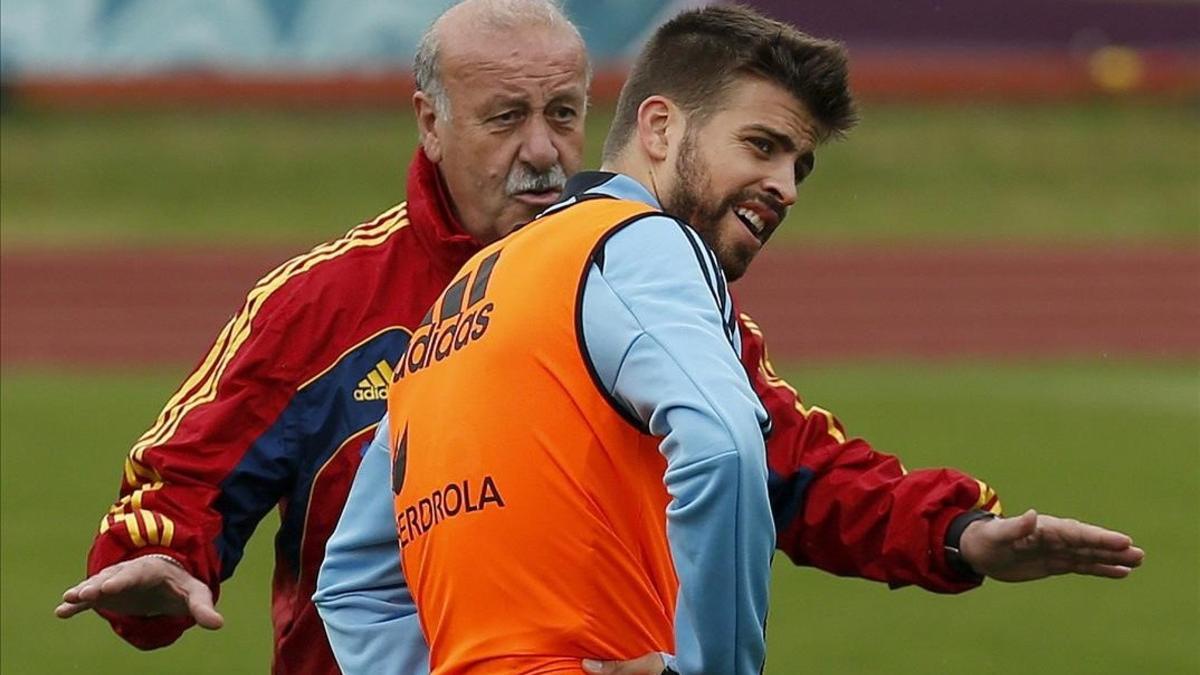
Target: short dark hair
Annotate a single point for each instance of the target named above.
(696, 57)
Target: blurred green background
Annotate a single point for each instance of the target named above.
(1076, 172)
(1110, 441)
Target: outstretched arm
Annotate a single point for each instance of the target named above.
(844, 507)
(841, 506)
(174, 527)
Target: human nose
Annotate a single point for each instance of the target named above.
(781, 184)
(537, 148)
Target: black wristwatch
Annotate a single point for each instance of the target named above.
(953, 539)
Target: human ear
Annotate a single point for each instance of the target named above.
(656, 118)
(426, 114)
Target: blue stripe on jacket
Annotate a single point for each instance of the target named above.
(272, 463)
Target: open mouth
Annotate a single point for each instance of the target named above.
(541, 197)
(751, 220)
(760, 219)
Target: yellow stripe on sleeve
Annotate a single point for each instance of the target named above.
(751, 324)
(134, 530)
(988, 495)
(774, 380)
(168, 533)
(180, 397)
(130, 477)
(137, 494)
(119, 507)
(830, 426)
(201, 386)
(984, 494)
(151, 527)
(144, 472)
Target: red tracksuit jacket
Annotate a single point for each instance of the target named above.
(279, 410)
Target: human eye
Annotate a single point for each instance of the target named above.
(804, 166)
(762, 144)
(563, 114)
(506, 117)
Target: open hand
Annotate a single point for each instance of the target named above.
(145, 586)
(1032, 546)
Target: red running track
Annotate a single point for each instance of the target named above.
(115, 308)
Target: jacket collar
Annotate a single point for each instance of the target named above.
(584, 182)
(431, 215)
(609, 184)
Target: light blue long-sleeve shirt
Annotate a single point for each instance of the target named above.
(659, 328)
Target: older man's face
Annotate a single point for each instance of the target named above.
(515, 128)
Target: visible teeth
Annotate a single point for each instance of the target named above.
(752, 218)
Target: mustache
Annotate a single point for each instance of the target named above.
(524, 178)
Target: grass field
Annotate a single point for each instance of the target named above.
(1074, 172)
(1113, 442)
(1110, 442)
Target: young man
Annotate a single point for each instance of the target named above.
(573, 369)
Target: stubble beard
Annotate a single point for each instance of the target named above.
(687, 201)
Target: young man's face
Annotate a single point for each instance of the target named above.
(515, 129)
(735, 175)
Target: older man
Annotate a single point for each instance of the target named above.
(279, 410)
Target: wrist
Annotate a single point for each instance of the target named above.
(164, 556)
(953, 549)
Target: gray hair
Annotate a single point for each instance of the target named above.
(499, 15)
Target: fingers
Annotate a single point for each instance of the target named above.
(1088, 542)
(1132, 557)
(88, 593)
(67, 610)
(1088, 535)
(127, 577)
(1129, 557)
(72, 594)
(1106, 571)
(200, 606)
(141, 572)
(89, 589)
(1015, 529)
(1086, 568)
(1083, 560)
(146, 586)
